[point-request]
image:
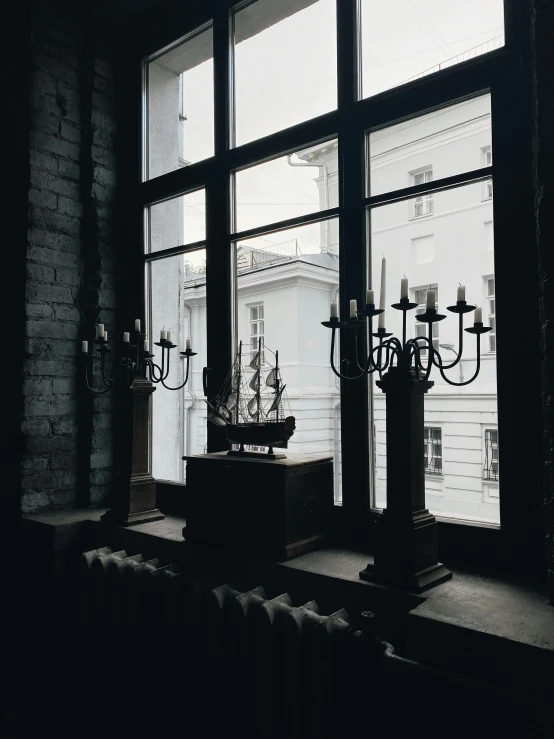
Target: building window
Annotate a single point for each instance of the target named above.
(422, 205)
(432, 450)
(420, 297)
(486, 161)
(256, 319)
(491, 312)
(490, 470)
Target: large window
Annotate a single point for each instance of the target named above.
(267, 144)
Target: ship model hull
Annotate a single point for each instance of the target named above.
(270, 434)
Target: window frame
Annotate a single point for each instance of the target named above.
(504, 74)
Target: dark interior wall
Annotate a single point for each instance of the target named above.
(542, 29)
(70, 270)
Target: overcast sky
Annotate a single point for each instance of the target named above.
(287, 74)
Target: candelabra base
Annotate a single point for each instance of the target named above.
(132, 519)
(406, 552)
(415, 582)
(135, 501)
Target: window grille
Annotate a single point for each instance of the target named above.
(432, 450)
(491, 313)
(420, 297)
(423, 205)
(256, 330)
(490, 470)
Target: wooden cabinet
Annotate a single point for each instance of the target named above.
(267, 508)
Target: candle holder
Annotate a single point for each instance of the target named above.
(136, 375)
(406, 535)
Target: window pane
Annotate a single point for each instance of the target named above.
(459, 257)
(180, 112)
(177, 221)
(403, 40)
(443, 143)
(294, 185)
(285, 65)
(296, 280)
(178, 303)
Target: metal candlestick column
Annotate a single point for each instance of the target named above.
(134, 499)
(406, 534)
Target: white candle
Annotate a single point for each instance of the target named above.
(430, 299)
(187, 344)
(84, 347)
(383, 281)
(381, 323)
(99, 330)
(105, 335)
(126, 337)
(137, 325)
(369, 297)
(168, 335)
(353, 308)
(146, 348)
(404, 288)
(163, 334)
(461, 292)
(334, 310)
(478, 316)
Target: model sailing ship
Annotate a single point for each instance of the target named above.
(250, 404)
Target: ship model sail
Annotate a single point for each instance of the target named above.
(251, 404)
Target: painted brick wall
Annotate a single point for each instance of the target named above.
(70, 281)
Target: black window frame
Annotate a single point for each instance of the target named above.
(505, 73)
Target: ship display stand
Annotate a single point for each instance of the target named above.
(246, 501)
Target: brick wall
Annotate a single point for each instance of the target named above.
(70, 273)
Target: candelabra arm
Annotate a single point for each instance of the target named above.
(167, 368)
(423, 372)
(151, 365)
(87, 380)
(109, 381)
(179, 387)
(338, 374)
(477, 369)
(439, 363)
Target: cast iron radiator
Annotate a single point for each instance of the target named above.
(284, 669)
(288, 667)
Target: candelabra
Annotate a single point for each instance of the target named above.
(134, 364)
(406, 539)
(136, 375)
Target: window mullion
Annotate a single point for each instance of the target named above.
(353, 263)
(218, 214)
